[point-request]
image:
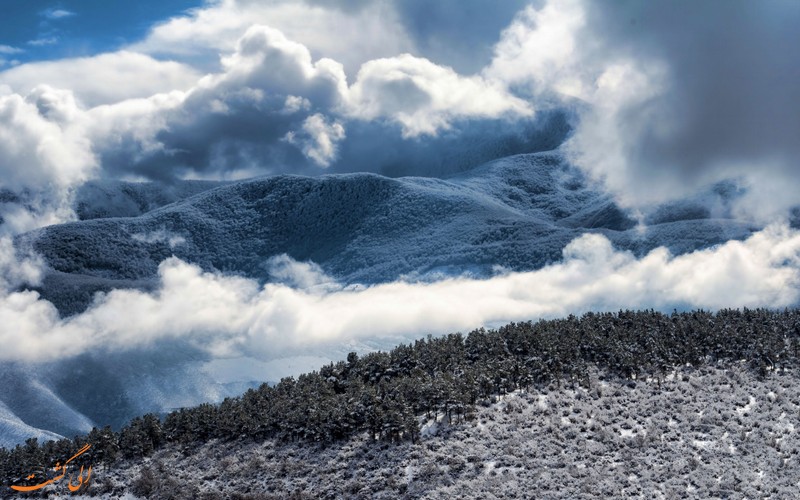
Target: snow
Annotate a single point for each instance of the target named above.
(517, 213)
(744, 410)
(513, 453)
(14, 431)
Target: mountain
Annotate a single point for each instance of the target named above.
(516, 212)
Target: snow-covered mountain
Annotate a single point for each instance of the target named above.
(517, 212)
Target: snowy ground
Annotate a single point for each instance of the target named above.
(707, 433)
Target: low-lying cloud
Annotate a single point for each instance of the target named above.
(306, 312)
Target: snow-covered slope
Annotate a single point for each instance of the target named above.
(517, 212)
(101, 199)
(714, 432)
(14, 431)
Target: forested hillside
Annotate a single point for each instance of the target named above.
(387, 396)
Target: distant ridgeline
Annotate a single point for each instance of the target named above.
(384, 393)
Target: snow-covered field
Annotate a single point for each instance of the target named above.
(702, 433)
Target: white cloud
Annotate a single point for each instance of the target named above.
(41, 42)
(43, 154)
(105, 78)
(160, 236)
(54, 14)
(349, 37)
(7, 49)
(318, 139)
(265, 58)
(605, 139)
(295, 104)
(231, 316)
(541, 49)
(16, 269)
(424, 97)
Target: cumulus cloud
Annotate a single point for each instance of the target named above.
(351, 36)
(273, 108)
(458, 33)
(424, 97)
(229, 316)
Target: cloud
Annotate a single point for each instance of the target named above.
(160, 236)
(43, 41)
(424, 97)
(318, 139)
(231, 124)
(273, 108)
(538, 50)
(7, 49)
(675, 102)
(43, 155)
(457, 33)
(306, 311)
(18, 268)
(351, 36)
(115, 77)
(53, 14)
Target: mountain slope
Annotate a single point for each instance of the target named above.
(716, 432)
(14, 431)
(517, 212)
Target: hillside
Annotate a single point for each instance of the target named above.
(640, 403)
(714, 432)
(517, 213)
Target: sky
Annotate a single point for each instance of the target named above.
(36, 30)
(665, 98)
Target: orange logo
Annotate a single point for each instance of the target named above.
(63, 468)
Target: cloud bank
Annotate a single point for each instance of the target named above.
(305, 311)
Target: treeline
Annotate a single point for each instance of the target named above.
(383, 393)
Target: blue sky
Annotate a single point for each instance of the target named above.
(44, 30)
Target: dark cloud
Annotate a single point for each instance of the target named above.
(275, 110)
(727, 106)
(457, 33)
